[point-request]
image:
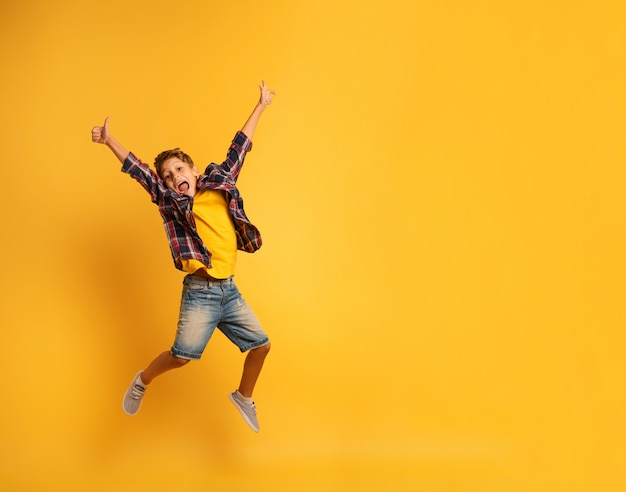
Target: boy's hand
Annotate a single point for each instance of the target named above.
(266, 95)
(100, 134)
(264, 101)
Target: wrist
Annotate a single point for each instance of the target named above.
(110, 142)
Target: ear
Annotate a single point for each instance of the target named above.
(195, 172)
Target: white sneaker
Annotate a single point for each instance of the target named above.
(134, 396)
(246, 409)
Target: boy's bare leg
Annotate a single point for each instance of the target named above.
(251, 369)
(162, 363)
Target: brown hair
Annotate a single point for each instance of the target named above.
(166, 154)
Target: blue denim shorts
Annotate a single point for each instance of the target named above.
(207, 304)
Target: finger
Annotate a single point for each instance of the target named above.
(106, 123)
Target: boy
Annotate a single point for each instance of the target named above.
(205, 224)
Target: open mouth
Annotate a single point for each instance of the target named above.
(183, 187)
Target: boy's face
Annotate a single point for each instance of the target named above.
(179, 176)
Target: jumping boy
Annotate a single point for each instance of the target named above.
(205, 224)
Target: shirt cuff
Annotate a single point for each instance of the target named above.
(243, 141)
(129, 163)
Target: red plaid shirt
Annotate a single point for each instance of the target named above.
(176, 210)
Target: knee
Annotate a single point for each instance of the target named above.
(263, 349)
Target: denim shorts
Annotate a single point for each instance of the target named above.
(207, 304)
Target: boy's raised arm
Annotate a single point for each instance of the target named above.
(101, 135)
(253, 119)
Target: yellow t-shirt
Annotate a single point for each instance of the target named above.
(215, 227)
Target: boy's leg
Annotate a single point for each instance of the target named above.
(252, 368)
(135, 392)
(196, 322)
(242, 327)
(242, 398)
(162, 363)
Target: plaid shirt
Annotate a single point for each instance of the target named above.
(176, 210)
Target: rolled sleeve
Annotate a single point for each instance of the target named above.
(243, 141)
(145, 176)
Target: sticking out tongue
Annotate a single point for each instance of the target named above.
(183, 187)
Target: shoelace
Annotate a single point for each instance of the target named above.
(137, 392)
(249, 405)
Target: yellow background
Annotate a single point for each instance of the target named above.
(439, 185)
